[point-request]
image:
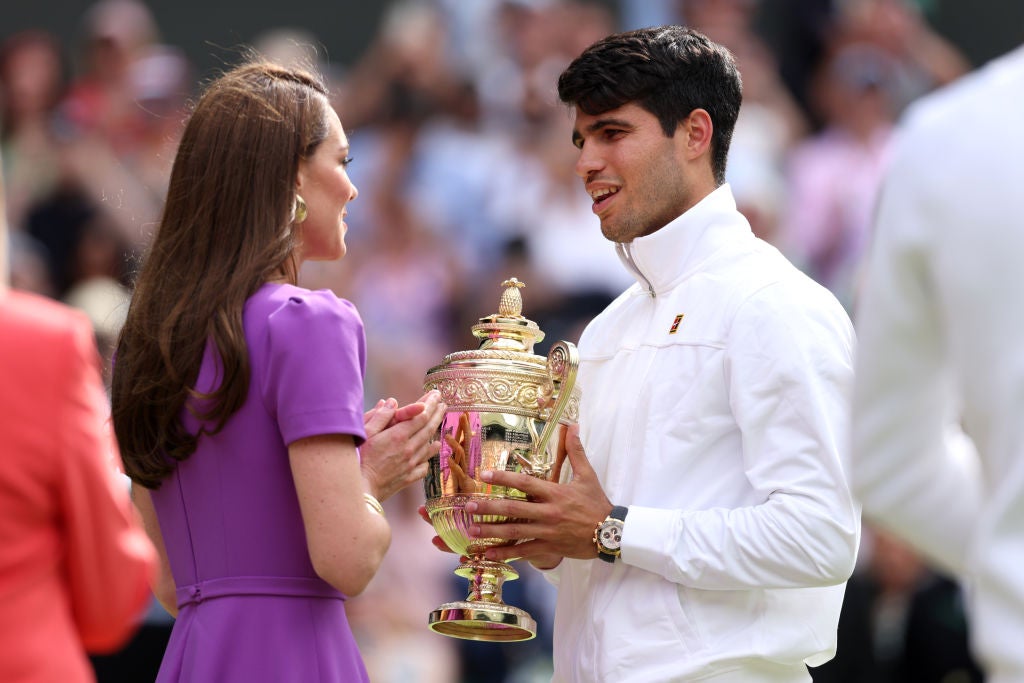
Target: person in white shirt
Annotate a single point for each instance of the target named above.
(938, 411)
(708, 529)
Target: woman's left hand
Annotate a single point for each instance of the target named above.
(399, 443)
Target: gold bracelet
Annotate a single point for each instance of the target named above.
(374, 504)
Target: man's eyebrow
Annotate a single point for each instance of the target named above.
(577, 137)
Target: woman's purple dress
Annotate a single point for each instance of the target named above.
(251, 608)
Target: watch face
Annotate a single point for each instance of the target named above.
(611, 535)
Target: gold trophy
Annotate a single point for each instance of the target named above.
(507, 409)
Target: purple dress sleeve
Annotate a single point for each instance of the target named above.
(315, 365)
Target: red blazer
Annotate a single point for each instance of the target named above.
(75, 565)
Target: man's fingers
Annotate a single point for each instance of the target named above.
(577, 456)
(513, 531)
(523, 551)
(505, 507)
(530, 485)
(441, 545)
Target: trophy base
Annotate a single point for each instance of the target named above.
(494, 622)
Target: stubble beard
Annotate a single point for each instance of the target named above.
(627, 229)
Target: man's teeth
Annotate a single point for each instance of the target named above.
(601, 194)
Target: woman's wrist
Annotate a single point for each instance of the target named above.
(374, 504)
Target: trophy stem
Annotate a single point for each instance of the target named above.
(483, 615)
(485, 579)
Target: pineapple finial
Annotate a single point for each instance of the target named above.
(511, 304)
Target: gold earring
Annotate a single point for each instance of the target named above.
(300, 210)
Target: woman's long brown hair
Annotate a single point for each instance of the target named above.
(225, 230)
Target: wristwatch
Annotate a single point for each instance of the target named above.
(608, 534)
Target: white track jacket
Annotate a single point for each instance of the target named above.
(715, 406)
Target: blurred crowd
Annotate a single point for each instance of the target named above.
(464, 167)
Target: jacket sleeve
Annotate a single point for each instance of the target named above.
(788, 369)
(108, 558)
(914, 470)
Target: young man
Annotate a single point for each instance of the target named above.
(938, 434)
(708, 529)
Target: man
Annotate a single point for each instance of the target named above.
(75, 566)
(938, 429)
(708, 529)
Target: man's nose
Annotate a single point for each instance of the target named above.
(588, 162)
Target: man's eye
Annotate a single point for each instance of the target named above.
(347, 160)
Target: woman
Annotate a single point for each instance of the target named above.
(238, 395)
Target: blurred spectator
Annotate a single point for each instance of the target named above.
(770, 120)
(161, 81)
(57, 223)
(923, 60)
(31, 84)
(937, 433)
(122, 116)
(291, 47)
(29, 267)
(412, 302)
(833, 176)
(404, 72)
(75, 565)
(797, 33)
(101, 100)
(97, 288)
(901, 622)
(573, 272)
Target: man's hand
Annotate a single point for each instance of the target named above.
(558, 520)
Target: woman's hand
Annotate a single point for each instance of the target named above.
(399, 443)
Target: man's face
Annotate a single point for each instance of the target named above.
(633, 172)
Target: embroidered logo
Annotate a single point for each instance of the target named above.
(675, 324)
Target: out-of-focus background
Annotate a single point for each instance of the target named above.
(464, 166)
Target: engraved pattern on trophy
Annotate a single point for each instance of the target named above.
(507, 409)
(504, 390)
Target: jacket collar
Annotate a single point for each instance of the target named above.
(659, 260)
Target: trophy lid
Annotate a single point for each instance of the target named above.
(508, 330)
(503, 375)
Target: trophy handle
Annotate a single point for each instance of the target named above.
(563, 361)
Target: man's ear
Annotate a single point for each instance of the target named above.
(695, 134)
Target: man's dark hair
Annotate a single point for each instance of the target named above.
(668, 71)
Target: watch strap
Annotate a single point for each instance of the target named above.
(618, 513)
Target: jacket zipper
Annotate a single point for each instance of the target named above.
(626, 256)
